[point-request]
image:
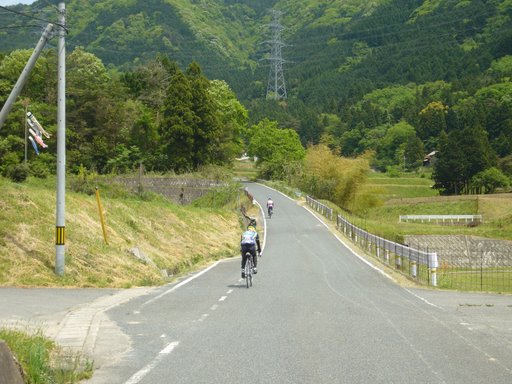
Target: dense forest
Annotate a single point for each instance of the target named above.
(180, 84)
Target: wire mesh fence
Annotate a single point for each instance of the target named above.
(453, 263)
(473, 264)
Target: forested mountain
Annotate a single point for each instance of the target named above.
(399, 77)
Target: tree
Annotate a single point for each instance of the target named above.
(178, 125)
(414, 153)
(448, 168)
(207, 130)
(432, 120)
(277, 149)
(391, 148)
(462, 155)
(490, 180)
(232, 117)
(331, 177)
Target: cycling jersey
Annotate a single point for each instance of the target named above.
(249, 237)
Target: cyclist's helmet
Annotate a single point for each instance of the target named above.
(251, 228)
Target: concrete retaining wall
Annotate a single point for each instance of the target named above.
(179, 190)
(465, 251)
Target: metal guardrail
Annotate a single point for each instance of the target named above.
(418, 264)
(319, 207)
(442, 218)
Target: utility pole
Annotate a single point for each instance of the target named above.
(47, 34)
(61, 146)
(276, 88)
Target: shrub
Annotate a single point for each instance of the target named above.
(18, 173)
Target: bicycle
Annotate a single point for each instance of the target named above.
(248, 269)
(270, 212)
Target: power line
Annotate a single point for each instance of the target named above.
(33, 17)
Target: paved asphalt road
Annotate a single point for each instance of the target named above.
(317, 313)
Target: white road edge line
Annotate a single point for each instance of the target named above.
(179, 284)
(138, 376)
(370, 264)
(349, 248)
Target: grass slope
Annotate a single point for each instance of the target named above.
(175, 237)
(413, 195)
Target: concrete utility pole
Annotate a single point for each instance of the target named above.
(47, 34)
(61, 146)
(276, 88)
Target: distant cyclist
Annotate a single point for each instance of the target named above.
(270, 206)
(250, 242)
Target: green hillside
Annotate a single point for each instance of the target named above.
(398, 78)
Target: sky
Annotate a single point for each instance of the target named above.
(13, 2)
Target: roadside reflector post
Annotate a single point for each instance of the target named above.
(102, 220)
(398, 262)
(414, 269)
(434, 263)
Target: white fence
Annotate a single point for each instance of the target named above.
(445, 219)
(384, 249)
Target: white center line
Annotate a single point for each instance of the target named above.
(138, 376)
(223, 298)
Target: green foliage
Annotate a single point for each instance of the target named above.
(41, 360)
(42, 166)
(330, 177)
(232, 117)
(435, 65)
(222, 197)
(278, 150)
(502, 67)
(125, 159)
(17, 172)
(462, 155)
(83, 182)
(490, 179)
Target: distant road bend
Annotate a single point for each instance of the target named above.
(316, 314)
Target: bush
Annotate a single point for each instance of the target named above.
(18, 173)
(490, 180)
(83, 182)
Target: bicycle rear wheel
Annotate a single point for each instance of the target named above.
(248, 270)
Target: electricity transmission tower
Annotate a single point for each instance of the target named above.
(276, 88)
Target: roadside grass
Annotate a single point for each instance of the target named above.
(486, 279)
(496, 212)
(282, 187)
(409, 185)
(411, 194)
(42, 360)
(245, 169)
(176, 238)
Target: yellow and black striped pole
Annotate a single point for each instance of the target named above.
(60, 236)
(100, 209)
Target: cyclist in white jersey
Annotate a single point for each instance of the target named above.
(250, 242)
